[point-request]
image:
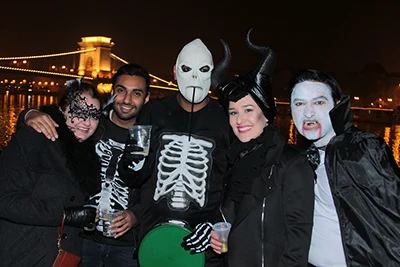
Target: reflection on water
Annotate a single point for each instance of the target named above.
(12, 105)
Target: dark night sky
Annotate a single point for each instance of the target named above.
(332, 37)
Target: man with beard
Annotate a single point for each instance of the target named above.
(357, 186)
(130, 91)
(182, 177)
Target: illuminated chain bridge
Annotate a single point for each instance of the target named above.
(96, 62)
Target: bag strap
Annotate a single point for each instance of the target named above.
(60, 232)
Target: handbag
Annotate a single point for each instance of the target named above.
(64, 258)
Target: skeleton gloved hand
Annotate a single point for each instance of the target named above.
(128, 157)
(80, 216)
(199, 240)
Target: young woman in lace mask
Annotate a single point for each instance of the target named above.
(45, 183)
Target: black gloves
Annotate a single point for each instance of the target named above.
(80, 216)
(128, 164)
(128, 156)
(199, 240)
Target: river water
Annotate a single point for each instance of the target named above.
(12, 105)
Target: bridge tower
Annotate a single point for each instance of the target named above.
(97, 63)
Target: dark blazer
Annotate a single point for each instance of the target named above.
(36, 184)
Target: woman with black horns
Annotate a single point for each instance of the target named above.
(269, 197)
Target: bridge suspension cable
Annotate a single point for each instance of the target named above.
(49, 55)
(151, 75)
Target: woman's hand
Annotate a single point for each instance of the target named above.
(215, 244)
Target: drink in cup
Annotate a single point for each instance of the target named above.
(107, 217)
(141, 134)
(222, 230)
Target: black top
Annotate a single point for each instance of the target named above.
(183, 174)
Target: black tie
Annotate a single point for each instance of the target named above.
(313, 156)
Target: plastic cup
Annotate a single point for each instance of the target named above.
(222, 230)
(107, 217)
(141, 134)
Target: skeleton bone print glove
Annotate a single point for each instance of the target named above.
(199, 240)
(129, 156)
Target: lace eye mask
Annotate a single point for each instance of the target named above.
(79, 108)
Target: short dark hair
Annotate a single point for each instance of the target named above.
(316, 76)
(81, 86)
(132, 69)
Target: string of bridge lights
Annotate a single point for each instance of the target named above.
(72, 75)
(151, 75)
(45, 72)
(49, 55)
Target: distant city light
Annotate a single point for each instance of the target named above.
(356, 98)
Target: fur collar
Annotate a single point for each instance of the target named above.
(81, 157)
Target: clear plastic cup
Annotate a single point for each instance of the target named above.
(222, 230)
(107, 217)
(141, 134)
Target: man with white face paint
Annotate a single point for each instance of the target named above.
(182, 177)
(356, 214)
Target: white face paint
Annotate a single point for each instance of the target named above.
(193, 71)
(310, 105)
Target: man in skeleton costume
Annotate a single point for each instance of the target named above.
(130, 93)
(182, 178)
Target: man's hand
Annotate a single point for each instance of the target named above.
(123, 223)
(129, 154)
(130, 162)
(42, 123)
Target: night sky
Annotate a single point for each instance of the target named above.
(331, 37)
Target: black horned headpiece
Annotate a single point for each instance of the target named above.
(257, 82)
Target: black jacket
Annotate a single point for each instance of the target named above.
(270, 201)
(365, 184)
(38, 179)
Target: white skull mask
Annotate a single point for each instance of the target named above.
(193, 71)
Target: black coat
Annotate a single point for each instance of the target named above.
(269, 202)
(365, 185)
(38, 179)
